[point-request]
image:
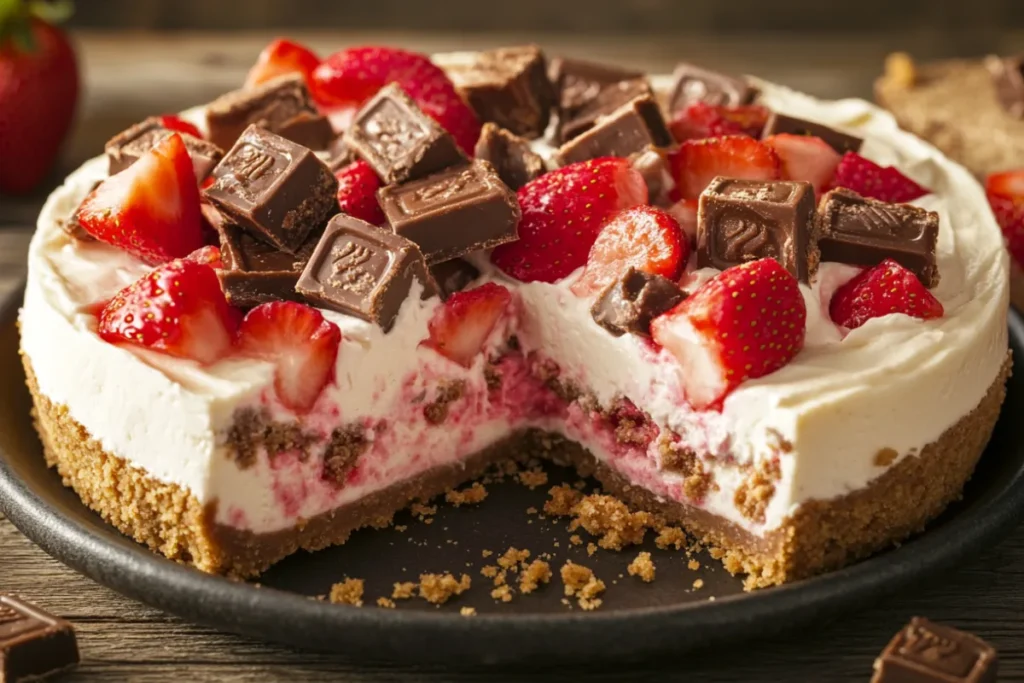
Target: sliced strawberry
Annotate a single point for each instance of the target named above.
(702, 120)
(644, 237)
(685, 213)
(868, 179)
(563, 212)
(883, 290)
(461, 326)
(177, 309)
(805, 157)
(1006, 196)
(180, 125)
(357, 192)
(279, 58)
(697, 162)
(302, 345)
(747, 322)
(208, 255)
(751, 118)
(150, 209)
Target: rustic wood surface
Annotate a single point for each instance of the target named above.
(128, 77)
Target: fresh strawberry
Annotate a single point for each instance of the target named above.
(697, 162)
(701, 120)
(563, 212)
(885, 289)
(208, 255)
(279, 58)
(176, 123)
(461, 326)
(644, 237)
(301, 344)
(805, 157)
(750, 118)
(747, 322)
(150, 209)
(357, 192)
(685, 213)
(868, 179)
(38, 92)
(1006, 196)
(177, 309)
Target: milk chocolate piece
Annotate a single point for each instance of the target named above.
(273, 188)
(125, 148)
(339, 155)
(510, 155)
(652, 166)
(926, 652)
(453, 276)
(398, 140)
(363, 271)
(255, 272)
(747, 220)
(578, 82)
(273, 105)
(635, 299)
(1008, 78)
(33, 644)
(454, 212)
(308, 129)
(611, 97)
(695, 84)
(864, 232)
(628, 130)
(836, 139)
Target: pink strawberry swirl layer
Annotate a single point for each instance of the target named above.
(894, 383)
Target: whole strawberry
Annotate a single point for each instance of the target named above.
(1005, 193)
(868, 179)
(38, 92)
(886, 289)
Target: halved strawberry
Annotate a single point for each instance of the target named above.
(279, 58)
(208, 255)
(751, 118)
(747, 322)
(805, 157)
(357, 192)
(883, 290)
(697, 162)
(302, 345)
(180, 125)
(644, 237)
(462, 324)
(177, 309)
(702, 120)
(1005, 193)
(868, 179)
(563, 212)
(150, 209)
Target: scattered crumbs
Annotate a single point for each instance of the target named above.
(403, 591)
(489, 571)
(439, 588)
(575, 539)
(421, 511)
(467, 496)
(499, 578)
(670, 537)
(503, 593)
(716, 553)
(580, 485)
(693, 565)
(386, 603)
(591, 549)
(348, 592)
(642, 567)
(565, 601)
(580, 582)
(563, 500)
(531, 510)
(487, 553)
(534, 574)
(468, 611)
(612, 521)
(698, 584)
(428, 520)
(533, 478)
(512, 558)
(556, 544)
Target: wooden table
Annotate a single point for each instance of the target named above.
(128, 77)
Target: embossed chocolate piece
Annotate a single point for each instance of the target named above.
(453, 276)
(611, 97)
(273, 188)
(1008, 78)
(273, 105)
(363, 271)
(33, 644)
(694, 84)
(836, 139)
(926, 652)
(628, 130)
(398, 140)
(635, 299)
(454, 212)
(746, 220)
(864, 232)
(578, 82)
(510, 155)
(125, 148)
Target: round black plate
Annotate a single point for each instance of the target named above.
(636, 619)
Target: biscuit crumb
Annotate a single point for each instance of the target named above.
(487, 553)
(531, 510)
(489, 571)
(386, 603)
(884, 457)
(403, 591)
(900, 70)
(512, 557)
(670, 537)
(611, 521)
(698, 584)
(580, 582)
(693, 565)
(591, 549)
(533, 478)
(468, 611)
(575, 539)
(400, 528)
(503, 593)
(562, 501)
(348, 592)
(439, 588)
(534, 574)
(468, 496)
(642, 567)
(422, 512)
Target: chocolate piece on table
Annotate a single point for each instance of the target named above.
(275, 189)
(33, 644)
(694, 84)
(453, 276)
(578, 82)
(626, 131)
(307, 129)
(510, 155)
(398, 140)
(125, 148)
(338, 154)
(747, 220)
(926, 652)
(363, 271)
(635, 299)
(612, 96)
(864, 232)
(255, 272)
(270, 105)
(836, 139)
(454, 212)
(1008, 78)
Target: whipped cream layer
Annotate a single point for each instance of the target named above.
(895, 383)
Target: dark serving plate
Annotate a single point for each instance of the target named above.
(637, 619)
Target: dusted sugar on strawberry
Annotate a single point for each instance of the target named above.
(807, 158)
(464, 323)
(282, 57)
(886, 289)
(1005, 192)
(357, 192)
(868, 179)
(697, 162)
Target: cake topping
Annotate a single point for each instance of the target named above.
(33, 644)
(255, 272)
(805, 157)
(703, 120)
(1008, 77)
(745, 220)
(275, 189)
(280, 57)
(864, 232)
(868, 179)
(1005, 192)
(454, 212)
(627, 130)
(695, 84)
(837, 140)
(924, 651)
(461, 327)
(651, 164)
(357, 192)
(510, 155)
(307, 129)
(125, 148)
(632, 301)
(271, 105)
(579, 82)
(609, 98)
(453, 276)
(697, 162)
(363, 271)
(886, 289)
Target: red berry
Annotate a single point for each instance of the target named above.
(702, 120)
(685, 213)
(279, 58)
(461, 326)
(750, 118)
(883, 290)
(1006, 196)
(805, 157)
(357, 192)
(697, 162)
(208, 255)
(868, 179)
(176, 123)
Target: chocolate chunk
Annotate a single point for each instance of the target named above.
(864, 232)
(508, 86)
(398, 140)
(307, 129)
(33, 644)
(273, 105)
(747, 220)
(453, 276)
(837, 140)
(694, 84)
(572, 123)
(628, 130)
(926, 652)
(510, 155)
(453, 212)
(273, 188)
(1008, 78)
(635, 299)
(338, 154)
(578, 82)
(363, 271)
(72, 226)
(125, 148)
(653, 167)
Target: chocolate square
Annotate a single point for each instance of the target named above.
(628, 130)
(747, 220)
(125, 148)
(1008, 78)
(454, 212)
(653, 167)
(632, 301)
(363, 271)
(510, 155)
(269, 105)
(610, 98)
(307, 129)
(836, 139)
(398, 140)
(33, 644)
(864, 232)
(338, 154)
(928, 652)
(453, 276)
(694, 84)
(273, 188)
(578, 82)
